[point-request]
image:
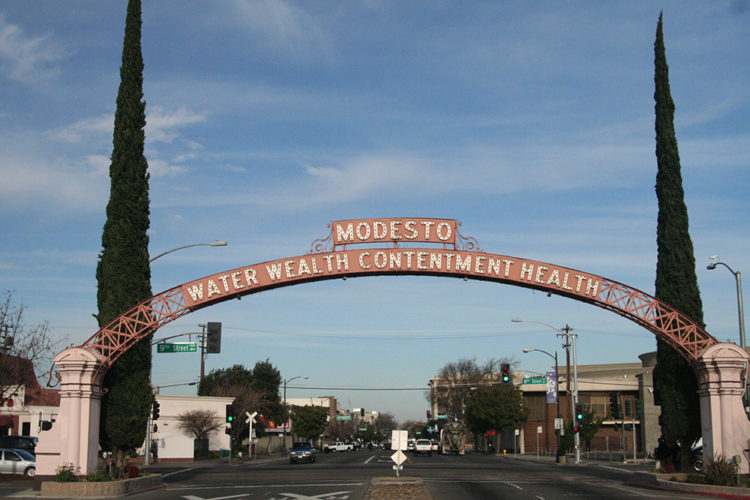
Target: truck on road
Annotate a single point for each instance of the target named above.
(338, 446)
(453, 438)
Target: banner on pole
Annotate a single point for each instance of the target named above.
(551, 387)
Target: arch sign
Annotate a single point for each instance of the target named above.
(395, 246)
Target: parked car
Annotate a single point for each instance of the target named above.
(410, 445)
(435, 446)
(27, 443)
(696, 458)
(17, 462)
(423, 446)
(302, 451)
(387, 445)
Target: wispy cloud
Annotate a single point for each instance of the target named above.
(25, 58)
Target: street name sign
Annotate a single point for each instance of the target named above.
(177, 347)
(534, 380)
(344, 417)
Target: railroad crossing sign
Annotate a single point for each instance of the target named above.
(250, 417)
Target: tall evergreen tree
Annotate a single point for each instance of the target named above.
(676, 283)
(123, 272)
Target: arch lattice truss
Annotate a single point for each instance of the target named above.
(145, 318)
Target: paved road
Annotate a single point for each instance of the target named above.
(340, 476)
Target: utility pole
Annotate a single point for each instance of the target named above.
(203, 351)
(568, 336)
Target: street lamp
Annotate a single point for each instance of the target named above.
(738, 279)
(286, 418)
(217, 243)
(527, 350)
(571, 337)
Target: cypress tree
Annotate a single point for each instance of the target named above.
(676, 284)
(123, 272)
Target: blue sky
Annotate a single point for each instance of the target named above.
(530, 122)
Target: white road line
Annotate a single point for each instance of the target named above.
(257, 486)
(616, 468)
(511, 484)
(177, 472)
(368, 460)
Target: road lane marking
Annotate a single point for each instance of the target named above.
(177, 472)
(368, 460)
(616, 468)
(192, 497)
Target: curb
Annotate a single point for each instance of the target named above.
(660, 482)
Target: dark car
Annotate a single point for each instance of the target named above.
(27, 443)
(387, 445)
(302, 451)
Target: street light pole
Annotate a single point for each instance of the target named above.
(569, 336)
(557, 394)
(217, 243)
(286, 417)
(740, 309)
(147, 445)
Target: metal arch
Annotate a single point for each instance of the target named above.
(679, 331)
(688, 338)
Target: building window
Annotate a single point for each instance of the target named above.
(26, 429)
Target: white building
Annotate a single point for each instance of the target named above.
(174, 443)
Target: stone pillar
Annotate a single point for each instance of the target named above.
(721, 382)
(74, 437)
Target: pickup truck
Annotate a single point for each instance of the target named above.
(338, 446)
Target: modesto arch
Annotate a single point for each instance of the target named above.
(391, 249)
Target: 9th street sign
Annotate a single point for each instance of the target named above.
(177, 347)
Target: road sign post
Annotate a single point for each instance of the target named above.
(250, 420)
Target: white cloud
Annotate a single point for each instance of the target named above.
(26, 59)
(284, 26)
(162, 125)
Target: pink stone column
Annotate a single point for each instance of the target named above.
(74, 437)
(721, 382)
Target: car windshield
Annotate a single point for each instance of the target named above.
(302, 444)
(26, 455)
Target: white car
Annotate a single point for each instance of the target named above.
(423, 446)
(17, 462)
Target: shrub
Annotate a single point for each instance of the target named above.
(131, 471)
(66, 473)
(99, 476)
(721, 472)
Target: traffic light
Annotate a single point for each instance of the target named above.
(213, 338)
(229, 414)
(506, 373)
(614, 405)
(227, 430)
(361, 412)
(579, 414)
(429, 415)
(155, 411)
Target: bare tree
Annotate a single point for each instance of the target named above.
(198, 423)
(24, 350)
(385, 423)
(455, 381)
